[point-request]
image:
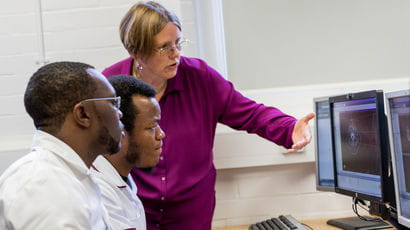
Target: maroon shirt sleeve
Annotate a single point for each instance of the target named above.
(242, 113)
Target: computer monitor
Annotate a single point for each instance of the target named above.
(398, 110)
(360, 148)
(323, 145)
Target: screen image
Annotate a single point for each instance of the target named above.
(323, 144)
(399, 117)
(404, 122)
(357, 148)
(359, 142)
(406, 169)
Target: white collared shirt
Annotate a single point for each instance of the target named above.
(50, 188)
(124, 207)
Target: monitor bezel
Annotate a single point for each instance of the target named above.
(388, 96)
(319, 187)
(382, 129)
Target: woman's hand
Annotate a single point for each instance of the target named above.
(301, 135)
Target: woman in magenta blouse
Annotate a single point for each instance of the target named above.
(179, 193)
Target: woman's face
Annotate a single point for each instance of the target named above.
(165, 65)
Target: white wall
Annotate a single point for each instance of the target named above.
(249, 195)
(275, 43)
(34, 32)
(87, 31)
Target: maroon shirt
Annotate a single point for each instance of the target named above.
(180, 194)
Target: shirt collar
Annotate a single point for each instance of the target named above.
(132, 184)
(127, 66)
(44, 140)
(102, 165)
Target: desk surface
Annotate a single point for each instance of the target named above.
(316, 224)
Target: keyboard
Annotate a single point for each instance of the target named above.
(282, 222)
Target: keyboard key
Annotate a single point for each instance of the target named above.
(267, 226)
(287, 222)
(273, 225)
(253, 227)
(260, 226)
(280, 224)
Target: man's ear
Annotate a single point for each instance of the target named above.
(82, 115)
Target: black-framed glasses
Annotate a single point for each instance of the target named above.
(116, 101)
(169, 49)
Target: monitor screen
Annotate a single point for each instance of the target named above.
(398, 107)
(359, 144)
(323, 146)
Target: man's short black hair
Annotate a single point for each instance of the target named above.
(126, 87)
(54, 89)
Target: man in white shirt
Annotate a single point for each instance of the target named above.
(141, 148)
(75, 112)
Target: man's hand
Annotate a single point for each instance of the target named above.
(301, 135)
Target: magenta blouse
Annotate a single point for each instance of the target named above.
(180, 194)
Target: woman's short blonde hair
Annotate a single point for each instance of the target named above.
(141, 23)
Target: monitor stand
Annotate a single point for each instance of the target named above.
(355, 223)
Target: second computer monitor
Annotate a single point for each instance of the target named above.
(398, 107)
(323, 146)
(360, 144)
